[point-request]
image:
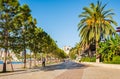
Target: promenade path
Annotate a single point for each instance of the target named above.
(65, 70)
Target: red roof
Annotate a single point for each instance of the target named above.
(118, 30)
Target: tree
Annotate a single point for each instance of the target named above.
(96, 24)
(8, 10)
(73, 53)
(31, 36)
(24, 17)
(36, 41)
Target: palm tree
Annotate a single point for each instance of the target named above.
(96, 23)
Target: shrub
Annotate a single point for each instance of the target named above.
(116, 60)
(88, 59)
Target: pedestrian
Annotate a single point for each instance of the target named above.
(43, 62)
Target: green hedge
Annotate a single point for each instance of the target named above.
(88, 59)
(115, 60)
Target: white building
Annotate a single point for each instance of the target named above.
(8, 53)
(67, 49)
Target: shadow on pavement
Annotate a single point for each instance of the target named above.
(63, 65)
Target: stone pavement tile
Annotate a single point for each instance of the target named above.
(101, 73)
(71, 74)
(34, 75)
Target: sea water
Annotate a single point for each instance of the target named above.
(13, 62)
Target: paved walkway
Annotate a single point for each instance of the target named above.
(71, 74)
(91, 73)
(69, 70)
(101, 73)
(38, 74)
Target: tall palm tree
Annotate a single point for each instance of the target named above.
(96, 23)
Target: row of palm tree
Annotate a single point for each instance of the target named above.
(18, 32)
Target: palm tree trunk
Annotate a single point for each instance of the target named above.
(96, 45)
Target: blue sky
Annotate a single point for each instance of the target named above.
(59, 18)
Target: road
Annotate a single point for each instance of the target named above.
(65, 70)
(65, 65)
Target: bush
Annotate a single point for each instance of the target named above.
(88, 59)
(116, 60)
(72, 56)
